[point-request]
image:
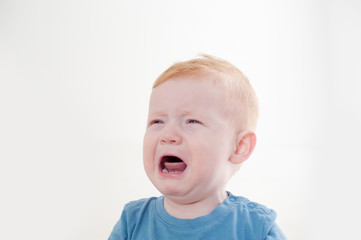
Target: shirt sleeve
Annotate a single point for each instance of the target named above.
(275, 233)
(120, 229)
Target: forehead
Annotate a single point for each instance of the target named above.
(187, 92)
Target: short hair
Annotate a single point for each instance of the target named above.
(240, 99)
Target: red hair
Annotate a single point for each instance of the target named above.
(240, 99)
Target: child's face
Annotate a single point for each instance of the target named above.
(189, 139)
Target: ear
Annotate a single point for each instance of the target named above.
(245, 144)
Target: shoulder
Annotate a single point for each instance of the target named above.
(132, 214)
(139, 206)
(254, 216)
(253, 208)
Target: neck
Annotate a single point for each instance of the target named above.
(198, 208)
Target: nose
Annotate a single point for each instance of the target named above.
(170, 135)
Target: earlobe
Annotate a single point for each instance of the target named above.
(245, 144)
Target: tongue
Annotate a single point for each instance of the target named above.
(175, 166)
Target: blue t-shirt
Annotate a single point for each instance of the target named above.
(236, 218)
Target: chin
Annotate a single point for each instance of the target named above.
(172, 191)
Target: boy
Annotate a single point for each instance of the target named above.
(201, 123)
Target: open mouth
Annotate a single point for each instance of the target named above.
(172, 164)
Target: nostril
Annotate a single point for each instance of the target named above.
(168, 141)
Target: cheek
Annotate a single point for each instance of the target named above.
(149, 140)
(148, 158)
(192, 129)
(215, 150)
(148, 150)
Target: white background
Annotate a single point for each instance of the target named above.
(76, 75)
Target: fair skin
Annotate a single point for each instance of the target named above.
(190, 149)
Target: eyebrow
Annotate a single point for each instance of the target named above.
(162, 113)
(189, 113)
(157, 113)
